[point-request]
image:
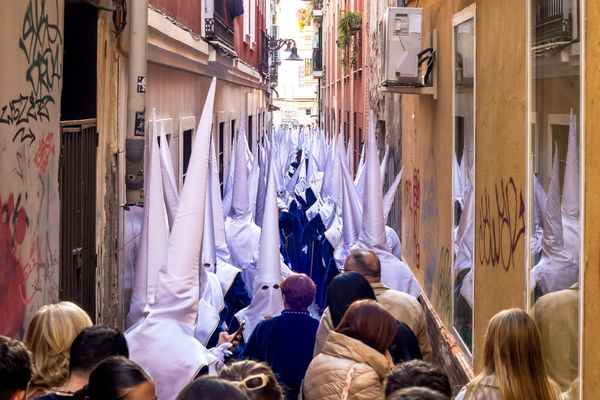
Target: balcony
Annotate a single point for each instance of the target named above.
(219, 30)
(317, 62)
(553, 22)
(317, 10)
(263, 67)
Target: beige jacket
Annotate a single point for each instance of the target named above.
(325, 326)
(328, 372)
(488, 389)
(405, 308)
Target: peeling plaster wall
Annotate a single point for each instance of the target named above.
(30, 85)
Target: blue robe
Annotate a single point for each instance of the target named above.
(291, 239)
(286, 343)
(311, 241)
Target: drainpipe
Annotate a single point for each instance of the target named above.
(136, 101)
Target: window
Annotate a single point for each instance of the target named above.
(232, 130)
(555, 113)
(221, 152)
(249, 132)
(187, 150)
(463, 175)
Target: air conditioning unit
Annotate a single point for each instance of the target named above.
(403, 28)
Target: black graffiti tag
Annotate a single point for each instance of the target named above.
(41, 42)
(501, 226)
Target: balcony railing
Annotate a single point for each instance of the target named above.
(317, 59)
(553, 22)
(263, 68)
(218, 29)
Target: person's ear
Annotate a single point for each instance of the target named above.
(19, 395)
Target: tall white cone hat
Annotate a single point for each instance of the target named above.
(228, 184)
(394, 272)
(154, 236)
(384, 163)
(388, 199)
(163, 344)
(570, 198)
(557, 268)
(240, 203)
(222, 251)
(267, 299)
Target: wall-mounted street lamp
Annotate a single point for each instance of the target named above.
(277, 44)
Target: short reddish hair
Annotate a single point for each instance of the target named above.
(369, 322)
(299, 291)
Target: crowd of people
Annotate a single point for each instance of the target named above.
(355, 361)
(287, 285)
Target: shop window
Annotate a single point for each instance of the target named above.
(463, 176)
(554, 229)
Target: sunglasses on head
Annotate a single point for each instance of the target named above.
(254, 382)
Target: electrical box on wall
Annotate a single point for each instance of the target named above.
(403, 30)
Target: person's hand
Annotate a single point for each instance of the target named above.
(221, 351)
(225, 337)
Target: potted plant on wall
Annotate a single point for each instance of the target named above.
(350, 22)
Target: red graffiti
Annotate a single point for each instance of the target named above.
(412, 199)
(13, 299)
(45, 149)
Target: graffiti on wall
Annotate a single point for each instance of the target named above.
(501, 224)
(29, 147)
(41, 43)
(412, 200)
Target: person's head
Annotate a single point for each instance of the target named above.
(118, 378)
(211, 388)
(365, 262)
(298, 291)
(254, 378)
(416, 393)
(344, 290)
(49, 336)
(15, 369)
(92, 346)
(369, 322)
(513, 352)
(417, 373)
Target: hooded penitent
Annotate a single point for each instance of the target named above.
(267, 298)
(394, 272)
(557, 268)
(163, 343)
(570, 195)
(538, 219)
(242, 234)
(211, 301)
(154, 236)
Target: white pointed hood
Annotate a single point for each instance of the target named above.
(570, 198)
(240, 203)
(463, 245)
(388, 199)
(372, 234)
(267, 299)
(557, 268)
(168, 176)
(209, 247)
(228, 184)
(262, 186)
(154, 238)
(384, 163)
(538, 219)
(394, 273)
(241, 232)
(222, 251)
(163, 344)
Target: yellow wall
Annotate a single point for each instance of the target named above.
(427, 129)
(500, 189)
(591, 274)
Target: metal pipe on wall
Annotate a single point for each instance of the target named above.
(136, 100)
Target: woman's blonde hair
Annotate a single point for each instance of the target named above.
(49, 336)
(240, 370)
(513, 354)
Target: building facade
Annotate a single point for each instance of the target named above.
(71, 180)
